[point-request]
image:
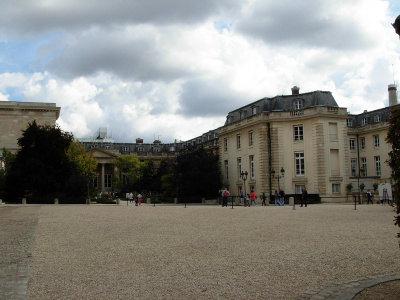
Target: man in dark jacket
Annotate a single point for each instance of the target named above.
(304, 197)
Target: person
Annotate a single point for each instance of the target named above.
(276, 197)
(263, 197)
(281, 197)
(130, 197)
(219, 197)
(304, 197)
(369, 197)
(241, 198)
(139, 197)
(253, 198)
(225, 195)
(247, 200)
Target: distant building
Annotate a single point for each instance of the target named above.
(15, 117)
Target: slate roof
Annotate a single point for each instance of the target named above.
(283, 103)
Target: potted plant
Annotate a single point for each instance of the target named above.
(349, 187)
(362, 186)
(375, 186)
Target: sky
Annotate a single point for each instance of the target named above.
(173, 70)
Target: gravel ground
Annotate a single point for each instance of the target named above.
(206, 252)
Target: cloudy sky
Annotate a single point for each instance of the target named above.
(173, 69)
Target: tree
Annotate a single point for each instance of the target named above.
(394, 157)
(129, 168)
(85, 163)
(41, 166)
(197, 172)
(7, 160)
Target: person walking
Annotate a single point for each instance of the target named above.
(139, 197)
(130, 197)
(369, 197)
(225, 195)
(253, 198)
(247, 200)
(263, 197)
(304, 195)
(276, 197)
(281, 197)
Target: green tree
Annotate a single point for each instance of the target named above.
(147, 181)
(41, 166)
(197, 173)
(394, 157)
(7, 160)
(129, 173)
(84, 162)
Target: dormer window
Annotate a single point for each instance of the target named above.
(253, 110)
(298, 104)
(377, 118)
(242, 114)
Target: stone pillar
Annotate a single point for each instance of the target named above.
(291, 201)
(23, 200)
(55, 200)
(103, 182)
(148, 200)
(175, 200)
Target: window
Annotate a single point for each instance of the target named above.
(250, 138)
(376, 141)
(156, 150)
(352, 145)
(362, 142)
(298, 132)
(107, 147)
(238, 141)
(252, 175)
(254, 110)
(225, 144)
(377, 165)
(239, 166)
(349, 122)
(107, 180)
(377, 118)
(363, 121)
(298, 104)
(333, 131)
(364, 166)
(140, 149)
(125, 149)
(93, 181)
(298, 188)
(335, 188)
(226, 170)
(353, 166)
(299, 163)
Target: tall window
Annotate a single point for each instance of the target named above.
(362, 142)
(376, 141)
(353, 166)
(226, 170)
(107, 180)
(377, 165)
(377, 118)
(335, 188)
(349, 122)
(225, 144)
(299, 163)
(250, 138)
(238, 141)
(363, 121)
(298, 132)
(364, 165)
(252, 175)
(299, 188)
(125, 149)
(352, 144)
(239, 166)
(254, 110)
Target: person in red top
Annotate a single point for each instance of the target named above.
(253, 198)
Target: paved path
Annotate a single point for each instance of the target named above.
(17, 235)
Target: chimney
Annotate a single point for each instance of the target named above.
(139, 141)
(295, 90)
(392, 94)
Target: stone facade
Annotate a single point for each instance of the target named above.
(15, 116)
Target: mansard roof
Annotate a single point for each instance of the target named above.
(283, 103)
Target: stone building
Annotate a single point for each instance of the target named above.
(15, 117)
(309, 138)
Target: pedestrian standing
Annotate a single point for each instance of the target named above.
(130, 197)
(225, 197)
(304, 195)
(281, 197)
(247, 200)
(276, 197)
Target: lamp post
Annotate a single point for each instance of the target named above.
(278, 176)
(243, 175)
(360, 171)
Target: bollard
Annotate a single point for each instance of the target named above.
(203, 200)
(175, 200)
(148, 200)
(55, 200)
(23, 200)
(118, 201)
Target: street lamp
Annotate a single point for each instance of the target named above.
(243, 175)
(360, 171)
(278, 176)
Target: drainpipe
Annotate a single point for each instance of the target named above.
(269, 159)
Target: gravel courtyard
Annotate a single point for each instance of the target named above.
(206, 252)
